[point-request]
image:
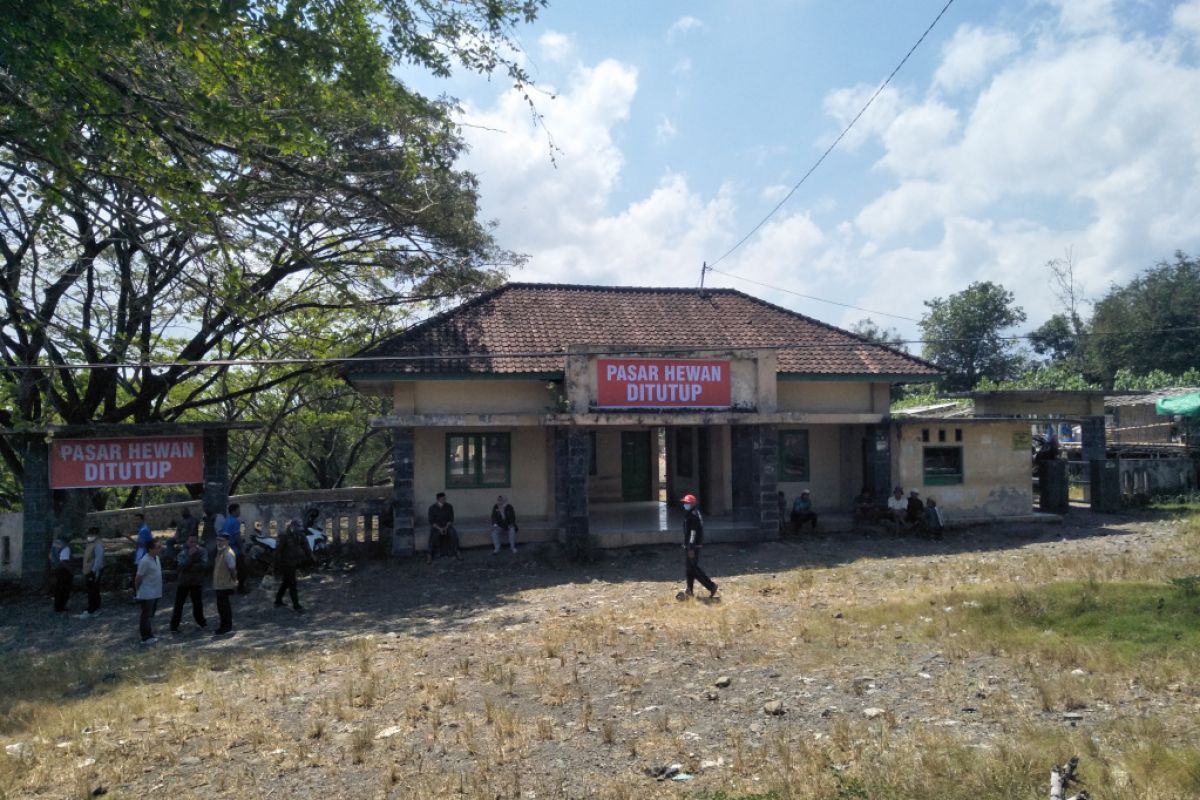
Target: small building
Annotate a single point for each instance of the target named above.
(588, 406)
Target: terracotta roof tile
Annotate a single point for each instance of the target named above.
(527, 327)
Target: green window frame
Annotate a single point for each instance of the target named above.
(942, 466)
(793, 456)
(478, 460)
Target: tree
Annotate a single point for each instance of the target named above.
(963, 334)
(192, 180)
(867, 329)
(1151, 323)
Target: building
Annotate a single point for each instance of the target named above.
(582, 402)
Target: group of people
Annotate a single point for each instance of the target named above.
(903, 514)
(443, 536)
(225, 567)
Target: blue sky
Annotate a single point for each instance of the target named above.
(1016, 133)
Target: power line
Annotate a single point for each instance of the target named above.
(839, 138)
(809, 296)
(852, 343)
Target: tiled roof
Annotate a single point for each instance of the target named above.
(1146, 398)
(528, 327)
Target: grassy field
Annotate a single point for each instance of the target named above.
(986, 667)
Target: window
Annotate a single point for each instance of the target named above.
(478, 460)
(793, 456)
(684, 452)
(943, 466)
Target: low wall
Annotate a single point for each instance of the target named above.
(11, 535)
(1151, 475)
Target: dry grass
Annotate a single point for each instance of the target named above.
(581, 702)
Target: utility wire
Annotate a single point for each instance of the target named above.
(851, 343)
(839, 138)
(811, 297)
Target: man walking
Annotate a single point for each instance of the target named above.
(193, 567)
(292, 551)
(693, 540)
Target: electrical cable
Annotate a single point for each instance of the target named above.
(839, 138)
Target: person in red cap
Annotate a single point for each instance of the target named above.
(693, 540)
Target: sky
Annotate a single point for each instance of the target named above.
(1017, 133)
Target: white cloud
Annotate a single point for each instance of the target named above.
(844, 104)
(683, 25)
(1186, 17)
(682, 67)
(1086, 16)
(556, 47)
(665, 130)
(970, 55)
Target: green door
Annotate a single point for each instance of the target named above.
(635, 465)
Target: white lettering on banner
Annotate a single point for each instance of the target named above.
(127, 471)
(161, 450)
(690, 373)
(633, 372)
(662, 392)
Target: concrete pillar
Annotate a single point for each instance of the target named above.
(38, 509)
(216, 479)
(572, 453)
(754, 460)
(403, 503)
(1104, 482)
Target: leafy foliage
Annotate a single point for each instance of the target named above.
(187, 181)
(964, 334)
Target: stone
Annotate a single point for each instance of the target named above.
(17, 749)
(190, 761)
(773, 708)
(712, 696)
(388, 732)
(722, 682)
(873, 713)
(1072, 716)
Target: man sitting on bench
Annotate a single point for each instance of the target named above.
(442, 534)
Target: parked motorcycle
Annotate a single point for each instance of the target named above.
(260, 553)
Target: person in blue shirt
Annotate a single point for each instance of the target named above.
(144, 538)
(233, 530)
(802, 511)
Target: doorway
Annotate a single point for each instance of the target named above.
(635, 466)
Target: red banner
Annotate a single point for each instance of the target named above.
(146, 461)
(661, 383)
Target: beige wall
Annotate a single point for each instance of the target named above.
(605, 485)
(530, 493)
(1050, 404)
(858, 397)
(997, 474)
(835, 459)
(472, 396)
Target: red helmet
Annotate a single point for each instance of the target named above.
(689, 498)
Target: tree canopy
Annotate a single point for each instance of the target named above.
(192, 180)
(964, 334)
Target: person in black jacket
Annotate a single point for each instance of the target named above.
(693, 540)
(442, 533)
(291, 551)
(504, 518)
(192, 562)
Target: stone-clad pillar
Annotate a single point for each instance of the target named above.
(403, 506)
(879, 461)
(572, 454)
(38, 510)
(216, 478)
(755, 460)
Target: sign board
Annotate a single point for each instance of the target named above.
(133, 461)
(662, 383)
(1022, 441)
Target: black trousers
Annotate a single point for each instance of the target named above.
(93, 591)
(801, 517)
(62, 588)
(695, 573)
(224, 610)
(148, 609)
(183, 593)
(287, 583)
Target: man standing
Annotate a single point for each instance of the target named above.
(233, 529)
(143, 539)
(60, 563)
(147, 585)
(225, 575)
(693, 540)
(93, 564)
(187, 527)
(441, 528)
(292, 551)
(193, 567)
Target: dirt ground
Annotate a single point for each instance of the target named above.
(528, 676)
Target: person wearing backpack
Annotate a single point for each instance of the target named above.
(292, 551)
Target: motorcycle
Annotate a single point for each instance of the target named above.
(260, 554)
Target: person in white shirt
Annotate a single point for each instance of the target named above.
(897, 507)
(148, 586)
